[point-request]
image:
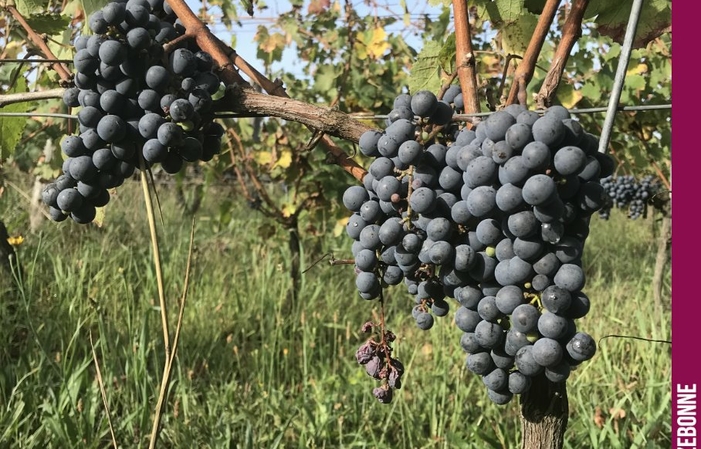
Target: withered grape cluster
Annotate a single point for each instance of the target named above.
(492, 219)
(138, 103)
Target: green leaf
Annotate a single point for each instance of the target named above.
(534, 6)
(592, 92)
(11, 128)
(325, 79)
(636, 82)
(612, 19)
(248, 6)
(447, 54)
(516, 34)
(48, 23)
(29, 7)
(90, 6)
(425, 73)
(510, 10)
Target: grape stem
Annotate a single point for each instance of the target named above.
(63, 73)
(571, 31)
(505, 72)
(175, 43)
(524, 71)
(447, 85)
(465, 57)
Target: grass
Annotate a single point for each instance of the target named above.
(252, 372)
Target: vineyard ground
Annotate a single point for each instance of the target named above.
(252, 373)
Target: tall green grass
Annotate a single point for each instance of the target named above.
(253, 371)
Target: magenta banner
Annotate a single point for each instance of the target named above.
(686, 375)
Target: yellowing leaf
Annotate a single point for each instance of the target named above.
(263, 157)
(288, 210)
(285, 159)
(99, 216)
(340, 226)
(378, 44)
(371, 44)
(274, 41)
(639, 69)
(13, 49)
(567, 96)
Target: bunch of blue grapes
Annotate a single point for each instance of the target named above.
(492, 220)
(628, 194)
(137, 103)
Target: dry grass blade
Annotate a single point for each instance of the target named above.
(186, 286)
(102, 391)
(162, 301)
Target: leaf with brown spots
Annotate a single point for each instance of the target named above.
(612, 19)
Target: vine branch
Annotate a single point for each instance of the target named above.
(30, 96)
(465, 58)
(62, 72)
(524, 71)
(571, 32)
(207, 41)
(228, 60)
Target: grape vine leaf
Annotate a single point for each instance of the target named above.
(248, 6)
(447, 54)
(318, 6)
(534, 6)
(228, 9)
(516, 34)
(568, 96)
(425, 73)
(48, 24)
(11, 128)
(612, 19)
(29, 7)
(90, 6)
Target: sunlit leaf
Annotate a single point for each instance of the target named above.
(515, 35)
(285, 159)
(11, 127)
(425, 73)
(568, 96)
(48, 23)
(378, 45)
(263, 157)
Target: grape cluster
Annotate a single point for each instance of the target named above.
(137, 102)
(495, 218)
(627, 193)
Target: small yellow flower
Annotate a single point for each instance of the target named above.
(15, 241)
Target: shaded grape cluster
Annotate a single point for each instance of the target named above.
(628, 194)
(493, 220)
(137, 103)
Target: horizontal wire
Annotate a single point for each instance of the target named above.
(460, 117)
(34, 61)
(38, 114)
(457, 117)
